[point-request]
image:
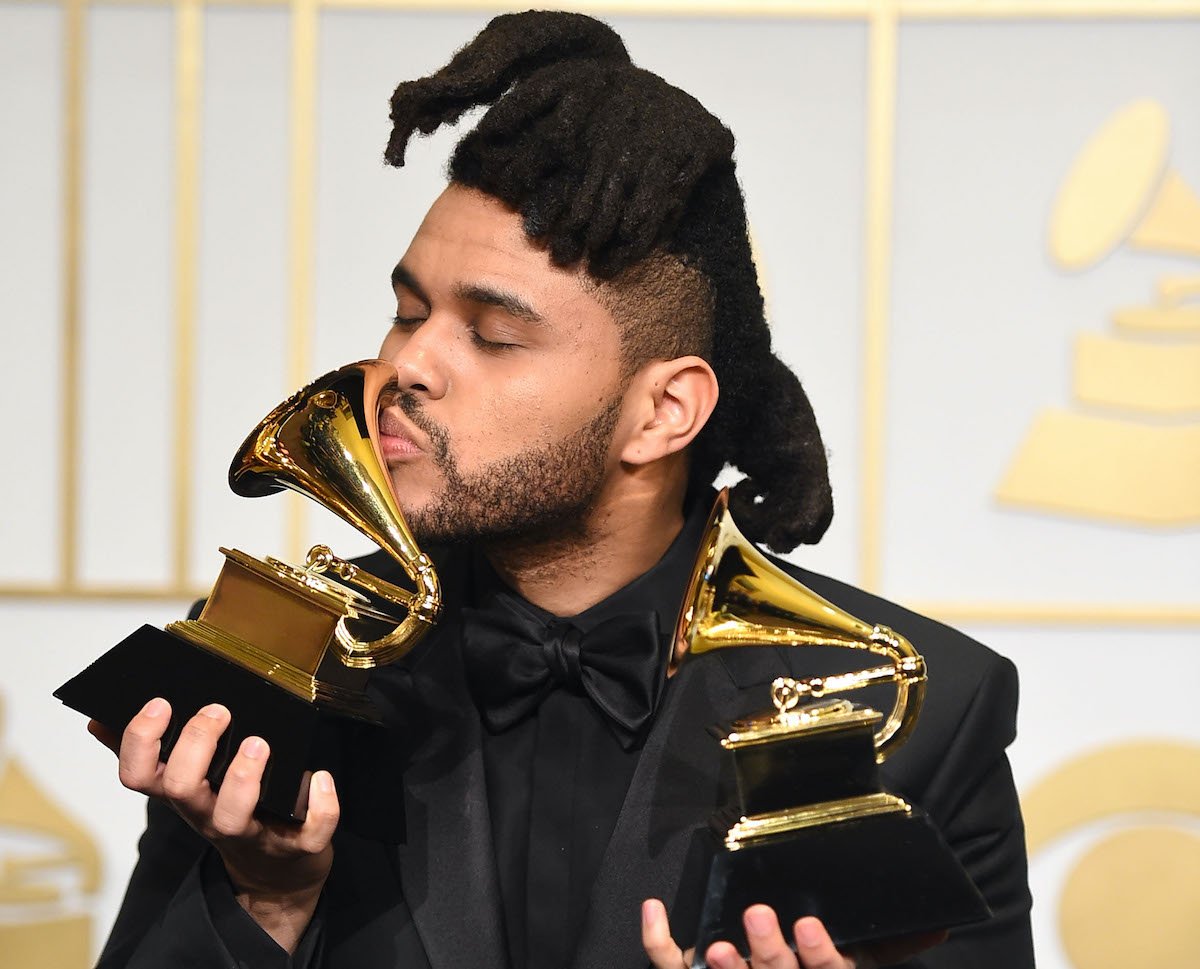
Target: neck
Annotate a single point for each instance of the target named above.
(622, 537)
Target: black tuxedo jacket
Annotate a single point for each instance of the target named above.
(434, 902)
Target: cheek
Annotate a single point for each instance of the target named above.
(391, 343)
(517, 412)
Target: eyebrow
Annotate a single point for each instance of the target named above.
(402, 277)
(511, 303)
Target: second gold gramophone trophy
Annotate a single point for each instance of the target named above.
(273, 642)
(811, 831)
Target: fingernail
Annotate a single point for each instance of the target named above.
(155, 708)
(808, 933)
(253, 747)
(759, 921)
(324, 782)
(214, 711)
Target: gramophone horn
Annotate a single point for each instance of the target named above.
(323, 442)
(738, 597)
(1121, 188)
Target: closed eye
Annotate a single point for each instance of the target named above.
(489, 346)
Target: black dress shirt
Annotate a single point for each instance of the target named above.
(557, 779)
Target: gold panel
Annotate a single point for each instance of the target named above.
(1128, 615)
(302, 188)
(189, 54)
(1159, 319)
(1125, 468)
(877, 271)
(968, 10)
(1153, 377)
(24, 807)
(1173, 222)
(1105, 193)
(61, 943)
(1140, 877)
(1173, 290)
(36, 927)
(1122, 779)
(72, 193)
(1110, 469)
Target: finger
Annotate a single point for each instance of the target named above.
(184, 779)
(109, 738)
(722, 955)
(137, 759)
(768, 947)
(323, 812)
(233, 810)
(816, 949)
(656, 936)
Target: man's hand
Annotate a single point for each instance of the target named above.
(768, 948)
(277, 869)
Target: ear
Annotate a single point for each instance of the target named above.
(672, 401)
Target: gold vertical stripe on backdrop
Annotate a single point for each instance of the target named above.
(189, 74)
(74, 14)
(881, 120)
(301, 187)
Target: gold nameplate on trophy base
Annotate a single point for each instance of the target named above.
(280, 622)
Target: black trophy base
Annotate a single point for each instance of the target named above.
(876, 878)
(302, 736)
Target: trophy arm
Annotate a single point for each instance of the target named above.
(906, 670)
(422, 608)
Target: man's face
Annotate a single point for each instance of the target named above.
(510, 380)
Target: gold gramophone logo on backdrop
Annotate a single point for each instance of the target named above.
(49, 868)
(1131, 896)
(1128, 449)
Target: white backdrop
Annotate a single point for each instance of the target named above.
(900, 176)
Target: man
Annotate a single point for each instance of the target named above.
(580, 346)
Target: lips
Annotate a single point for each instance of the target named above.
(397, 440)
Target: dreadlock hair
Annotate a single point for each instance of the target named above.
(611, 167)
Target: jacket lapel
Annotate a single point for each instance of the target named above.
(678, 784)
(447, 865)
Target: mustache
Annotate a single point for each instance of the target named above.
(439, 437)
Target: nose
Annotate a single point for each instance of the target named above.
(417, 354)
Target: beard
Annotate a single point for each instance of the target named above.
(541, 494)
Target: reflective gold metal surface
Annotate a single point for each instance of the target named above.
(346, 700)
(323, 442)
(739, 597)
(740, 832)
(828, 716)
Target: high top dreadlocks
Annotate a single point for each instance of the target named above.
(612, 168)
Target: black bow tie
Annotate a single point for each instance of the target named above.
(513, 660)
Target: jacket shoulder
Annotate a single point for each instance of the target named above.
(971, 690)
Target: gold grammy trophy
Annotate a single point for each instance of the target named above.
(275, 643)
(811, 831)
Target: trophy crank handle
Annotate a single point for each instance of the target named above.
(422, 609)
